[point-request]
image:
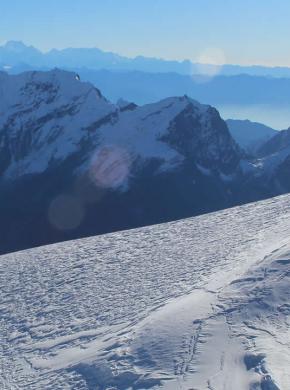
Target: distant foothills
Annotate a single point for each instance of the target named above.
(146, 80)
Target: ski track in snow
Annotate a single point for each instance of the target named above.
(201, 303)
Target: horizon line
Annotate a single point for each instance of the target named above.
(193, 62)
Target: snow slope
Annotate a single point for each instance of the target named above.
(201, 303)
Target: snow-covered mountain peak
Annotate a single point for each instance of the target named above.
(47, 86)
(52, 113)
(172, 130)
(44, 115)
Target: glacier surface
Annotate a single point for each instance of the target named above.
(201, 303)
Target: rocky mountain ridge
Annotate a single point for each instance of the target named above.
(74, 164)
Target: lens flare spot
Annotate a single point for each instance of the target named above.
(65, 212)
(110, 167)
(210, 63)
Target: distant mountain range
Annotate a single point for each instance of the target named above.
(74, 164)
(16, 54)
(147, 80)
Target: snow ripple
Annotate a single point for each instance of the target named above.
(200, 303)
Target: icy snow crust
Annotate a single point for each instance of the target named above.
(201, 303)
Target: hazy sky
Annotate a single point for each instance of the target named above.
(231, 31)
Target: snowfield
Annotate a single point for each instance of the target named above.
(201, 303)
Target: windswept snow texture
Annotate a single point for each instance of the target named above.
(202, 303)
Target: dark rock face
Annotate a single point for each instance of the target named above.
(204, 138)
(72, 164)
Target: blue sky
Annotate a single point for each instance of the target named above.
(231, 31)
